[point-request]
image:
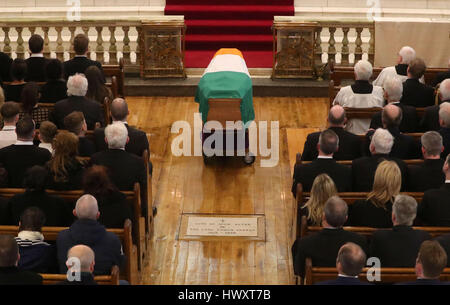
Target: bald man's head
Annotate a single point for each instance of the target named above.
(351, 259)
(87, 208)
(85, 255)
(337, 116)
(391, 116)
(119, 109)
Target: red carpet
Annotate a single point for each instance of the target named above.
(242, 24)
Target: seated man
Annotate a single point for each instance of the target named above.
(444, 121)
(349, 143)
(88, 231)
(37, 63)
(77, 86)
(429, 175)
(22, 155)
(9, 258)
(350, 262)
(360, 95)
(5, 66)
(393, 90)
(405, 56)
(10, 114)
(323, 246)
(76, 124)
(434, 210)
(431, 261)
(80, 62)
(414, 92)
(363, 169)
(430, 119)
(398, 247)
(306, 173)
(138, 139)
(86, 257)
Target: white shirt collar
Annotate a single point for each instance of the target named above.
(81, 56)
(24, 142)
(8, 128)
(343, 275)
(37, 55)
(324, 157)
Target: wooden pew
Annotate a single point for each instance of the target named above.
(113, 279)
(388, 275)
(367, 113)
(118, 72)
(131, 269)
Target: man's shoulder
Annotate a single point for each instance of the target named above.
(362, 161)
(313, 136)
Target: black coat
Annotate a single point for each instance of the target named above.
(417, 94)
(79, 65)
(72, 181)
(86, 147)
(444, 240)
(426, 176)
(322, 247)
(53, 91)
(445, 133)
(363, 171)
(14, 276)
(136, 145)
(92, 111)
(397, 247)
(5, 66)
(36, 67)
(106, 245)
(409, 119)
(349, 145)
(18, 158)
(434, 210)
(13, 93)
(114, 210)
(306, 173)
(363, 213)
(440, 77)
(430, 119)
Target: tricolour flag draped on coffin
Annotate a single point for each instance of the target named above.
(226, 77)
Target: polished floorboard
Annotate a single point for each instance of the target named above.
(227, 186)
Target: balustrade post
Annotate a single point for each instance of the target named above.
(318, 45)
(371, 52)
(20, 51)
(59, 42)
(126, 45)
(47, 52)
(345, 49)
(112, 46)
(72, 30)
(7, 41)
(331, 46)
(99, 49)
(358, 42)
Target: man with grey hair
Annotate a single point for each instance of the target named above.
(86, 258)
(349, 143)
(430, 120)
(398, 247)
(86, 230)
(76, 90)
(444, 121)
(361, 94)
(324, 246)
(363, 169)
(428, 175)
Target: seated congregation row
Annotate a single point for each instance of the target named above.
(411, 94)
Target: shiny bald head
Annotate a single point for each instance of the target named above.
(337, 116)
(391, 116)
(85, 255)
(119, 110)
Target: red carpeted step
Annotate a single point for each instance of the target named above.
(230, 2)
(253, 59)
(242, 42)
(229, 27)
(221, 12)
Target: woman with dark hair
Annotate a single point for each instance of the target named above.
(14, 89)
(55, 89)
(97, 90)
(66, 167)
(112, 204)
(29, 97)
(56, 211)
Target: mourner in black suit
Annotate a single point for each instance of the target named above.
(76, 124)
(430, 120)
(440, 77)
(92, 111)
(18, 157)
(444, 121)
(349, 143)
(306, 173)
(323, 247)
(5, 66)
(87, 262)
(429, 175)
(408, 121)
(80, 62)
(36, 63)
(55, 89)
(415, 93)
(399, 246)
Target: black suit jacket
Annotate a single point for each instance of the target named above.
(445, 133)
(36, 67)
(79, 65)
(86, 147)
(434, 210)
(18, 158)
(363, 171)
(349, 145)
(397, 247)
(440, 77)
(444, 240)
(363, 213)
(53, 91)
(422, 282)
(306, 173)
(5, 66)
(409, 119)
(417, 94)
(425, 176)
(405, 147)
(322, 248)
(137, 144)
(92, 111)
(430, 119)
(14, 276)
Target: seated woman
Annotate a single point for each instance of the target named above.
(29, 97)
(13, 91)
(322, 189)
(66, 168)
(35, 254)
(112, 204)
(376, 210)
(55, 89)
(97, 90)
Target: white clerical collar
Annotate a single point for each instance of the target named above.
(81, 56)
(343, 275)
(24, 142)
(324, 157)
(37, 55)
(8, 128)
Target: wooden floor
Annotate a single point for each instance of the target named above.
(186, 185)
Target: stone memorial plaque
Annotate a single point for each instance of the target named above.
(221, 226)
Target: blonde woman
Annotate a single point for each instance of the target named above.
(376, 210)
(323, 188)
